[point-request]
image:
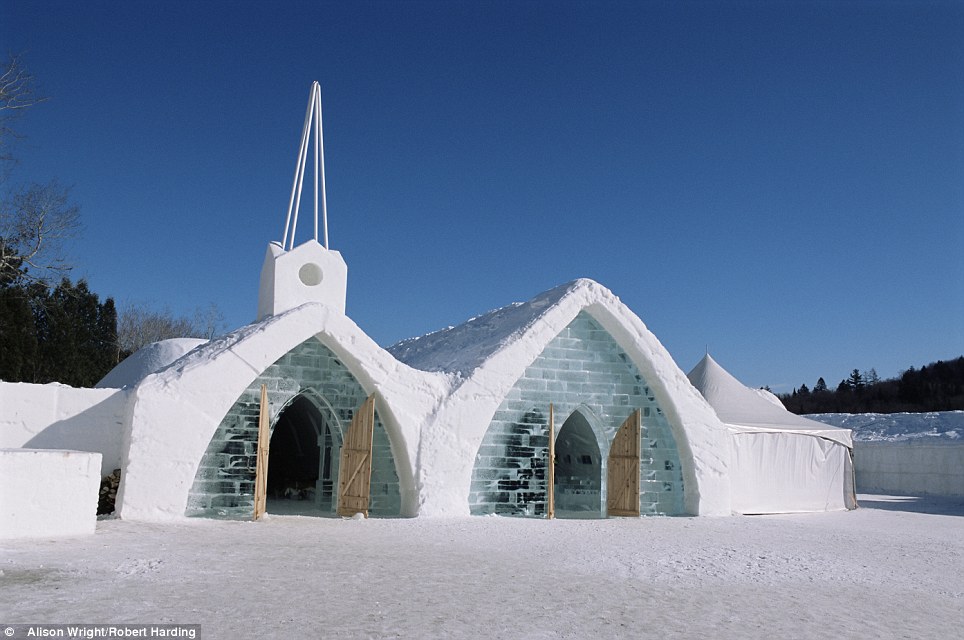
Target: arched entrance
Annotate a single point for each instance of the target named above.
(302, 461)
(578, 470)
(310, 373)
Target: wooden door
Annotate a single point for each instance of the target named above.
(261, 461)
(355, 472)
(623, 477)
(551, 468)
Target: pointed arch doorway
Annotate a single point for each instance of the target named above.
(577, 483)
(302, 461)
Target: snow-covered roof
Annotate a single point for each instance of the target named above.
(748, 410)
(147, 360)
(462, 349)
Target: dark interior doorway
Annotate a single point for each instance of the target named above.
(578, 471)
(301, 462)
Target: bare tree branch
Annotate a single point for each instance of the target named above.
(17, 94)
(34, 223)
(17, 89)
(138, 326)
(35, 219)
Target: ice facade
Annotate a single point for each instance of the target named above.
(582, 369)
(224, 484)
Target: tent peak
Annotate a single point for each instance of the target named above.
(743, 408)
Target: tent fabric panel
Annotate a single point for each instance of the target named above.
(840, 436)
(788, 473)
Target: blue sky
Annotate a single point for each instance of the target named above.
(781, 182)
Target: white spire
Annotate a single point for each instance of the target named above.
(291, 276)
(312, 120)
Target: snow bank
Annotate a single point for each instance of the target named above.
(55, 416)
(934, 427)
(48, 493)
(147, 360)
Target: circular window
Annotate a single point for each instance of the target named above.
(310, 274)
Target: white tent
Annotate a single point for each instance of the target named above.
(780, 462)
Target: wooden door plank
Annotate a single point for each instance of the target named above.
(551, 468)
(623, 475)
(261, 463)
(355, 472)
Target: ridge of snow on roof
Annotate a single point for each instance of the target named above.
(740, 406)
(216, 347)
(462, 349)
(148, 359)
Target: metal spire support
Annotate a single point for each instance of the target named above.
(312, 120)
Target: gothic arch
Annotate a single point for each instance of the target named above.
(224, 483)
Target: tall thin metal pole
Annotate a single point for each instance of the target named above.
(312, 117)
(321, 155)
(316, 104)
(302, 160)
(299, 169)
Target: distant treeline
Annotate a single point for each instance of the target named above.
(55, 334)
(938, 386)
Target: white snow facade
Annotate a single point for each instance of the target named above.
(461, 422)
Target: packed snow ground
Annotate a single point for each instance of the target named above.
(892, 569)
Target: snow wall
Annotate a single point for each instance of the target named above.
(910, 467)
(48, 493)
(56, 416)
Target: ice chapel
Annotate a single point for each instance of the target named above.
(562, 406)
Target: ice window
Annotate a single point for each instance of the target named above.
(310, 274)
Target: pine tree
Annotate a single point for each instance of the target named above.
(18, 339)
(62, 335)
(855, 381)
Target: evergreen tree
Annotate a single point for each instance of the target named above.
(855, 381)
(108, 353)
(938, 386)
(62, 335)
(18, 339)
